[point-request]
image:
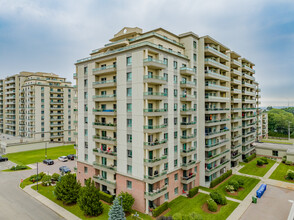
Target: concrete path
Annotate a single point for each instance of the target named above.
(228, 198)
(52, 205)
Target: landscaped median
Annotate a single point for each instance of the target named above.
(252, 168)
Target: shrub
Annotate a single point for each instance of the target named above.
(106, 197)
(251, 157)
(290, 175)
(46, 180)
(193, 192)
(288, 162)
(19, 167)
(218, 198)
(160, 209)
(127, 201)
(264, 159)
(241, 182)
(55, 176)
(179, 216)
(235, 184)
(33, 178)
(259, 162)
(218, 180)
(284, 159)
(229, 188)
(212, 206)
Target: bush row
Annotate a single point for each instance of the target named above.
(218, 180)
(218, 198)
(290, 175)
(193, 192)
(160, 209)
(106, 197)
(212, 206)
(247, 159)
(19, 167)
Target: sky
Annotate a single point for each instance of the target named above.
(49, 36)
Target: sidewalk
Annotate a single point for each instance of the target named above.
(228, 198)
(52, 205)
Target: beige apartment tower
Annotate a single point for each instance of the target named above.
(159, 114)
(37, 105)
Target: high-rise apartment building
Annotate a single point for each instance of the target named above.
(159, 113)
(37, 105)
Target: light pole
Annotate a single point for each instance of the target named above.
(289, 122)
(37, 176)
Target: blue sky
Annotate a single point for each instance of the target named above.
(49, 36)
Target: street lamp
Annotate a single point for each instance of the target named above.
(289, 122)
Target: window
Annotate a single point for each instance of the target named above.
(165, 61)
(85, 169)
(129, 76)
(166, 181)
(42, 100)
(129, 184)
(42, 94)
(86, 145)
(129, 60)
(165, 75)
(275, 153)
(130, 153)
(85, 95)
(129, 107)
(176, 191)
(42, 88)
(165, 106)
(175, 92)
(175, 121)
(176, 148)
(165, 166)
(85, 70)
(175, 163)
(176, 177)
(175, 79)
(165, 91)
(194, 44)
(129, 123)
(129, 138)
(129, 169)
(175, 64)
(165, 136)
(86, 120)
(129, 91)
(195, 169)
(166, 197)
(86, 157)
(85, 82)
(175, 107)
(165, 121)
(86, 132)
(86, 107)
(175, 134)
(42, 106)
(194, 57)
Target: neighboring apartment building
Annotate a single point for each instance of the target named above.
(264, 124)
(159, 113)
(37, 105)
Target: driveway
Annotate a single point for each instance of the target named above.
(6, 165)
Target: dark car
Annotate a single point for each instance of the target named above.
(64, 169)
(71, 156)
(48, 162)
(2, 159)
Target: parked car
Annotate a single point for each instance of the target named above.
(48, 162)
(63, 158)
(71, 156)
(2, 159)
(64, 169)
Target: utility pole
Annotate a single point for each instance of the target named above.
(289, 122)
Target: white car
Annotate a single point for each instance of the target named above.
(63, 158)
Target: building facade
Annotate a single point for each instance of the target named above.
(159, 114)
(37, 105)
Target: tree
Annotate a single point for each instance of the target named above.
(116, 211)
(46, 180)
(89, 200)
(67, 189)
(127, 201)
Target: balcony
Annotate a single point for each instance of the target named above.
(155, 95)
(155, 194)
(236, 91)
(155, 161)
(249, 141)
(105, 83)
(103, 181)
(155, 145)
(216, 64)
(236, 100)
(56, 124)
(235, 157)
(236, 119)
(216, 156)
(154, 128)
(186, 125)
(107, 153)
(55, 97)
(156, 177)
(152, 79)
(188, 138)
(249, 101)
(216, 110)
(111, 169)
(187, 84)
(105, 140)
(216, 122)
(236, 62)
(208, 171)
(189, 165)
(187, 111)
(104, 70)
(236, 128)
(101, 98)
(236, 137)
(154, 63)
(233, 147)
(236, 81)
(106, 126)
(214, 51)
(216, 133)
(187, 71)
(236, 109)
(105, 112)
(188, 179)
(248, 85)
(155, 112)
(188, 152)
(75, 75)
(210, 98)
(213, 75)
(248, 68)
(248, 150)
(211, 86)
(248, 76)
(236, 72)
(186, 97)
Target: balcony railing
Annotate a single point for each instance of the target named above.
(155, 77)
(155, 159)
(104, 180)
(188, 150)
(216, 155)
(155, 93)
(104, 124)
(154, 126)
(155, 142)
(105, 166)
(156, 192)
(188, 164)
(156, 175)
(112, 153)
(104, 96)
(104, 68)
(104, 138)
(104, 82)
(188, 136)
(188, 123)
(149, 59)
(217, 63)
(214, 168)
(215, 50)
(154, 110)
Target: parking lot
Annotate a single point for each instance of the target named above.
(6, 165)
(55, 167)
(273, 205)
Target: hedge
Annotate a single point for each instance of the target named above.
(106, 197)
(284, 159)
(193, 192)
(247, 159)
(264, 159)
(218, 198)
(212, 206)
(218, 180)
(18, 167)
(259, 162)
(241, 182)
(160, 209)
(290, 175)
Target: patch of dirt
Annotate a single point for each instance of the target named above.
(236, 192)
(263, 166)
(205, 208)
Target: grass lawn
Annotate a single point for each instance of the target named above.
(251, 168)
(9, 170)
(249, 184)
(280, 172)
(274, 141)
(75, 209)
(25, 183)
(29, 157)
(184, 205)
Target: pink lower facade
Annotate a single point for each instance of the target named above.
(82, 175)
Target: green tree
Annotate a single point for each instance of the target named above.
(67, 189)
(116, 211)
(89, 200)
(46, 180)
(127, 201)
